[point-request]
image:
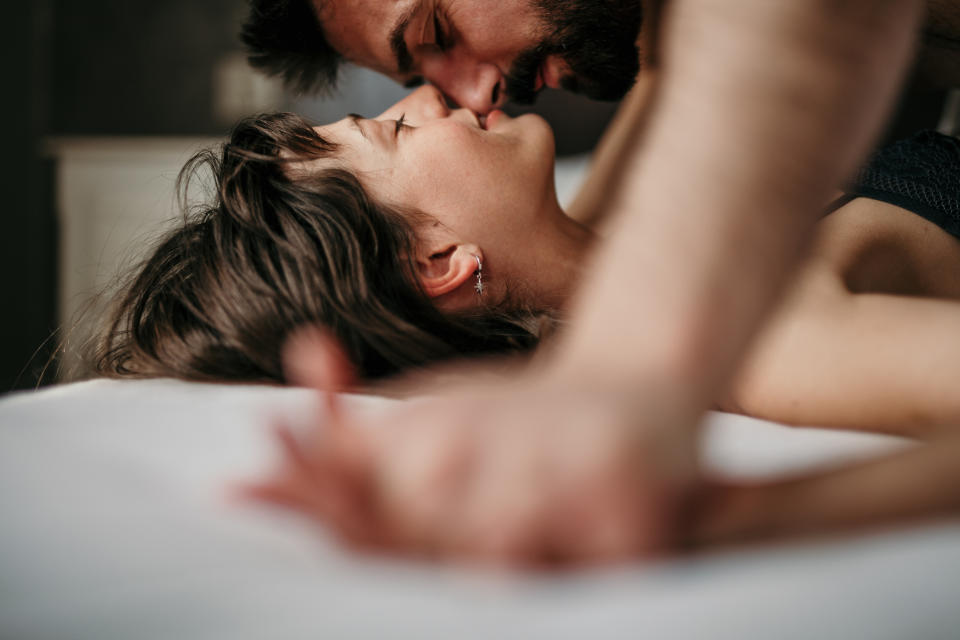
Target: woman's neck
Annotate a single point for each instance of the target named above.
(554, 263)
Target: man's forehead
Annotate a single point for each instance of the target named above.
(361, 30)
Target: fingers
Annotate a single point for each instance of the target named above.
(310, 483)
(345, 444)
(332, 490)
(312, 357)
(302, 482)
(266, 491)
(292, 451)
(454, 479)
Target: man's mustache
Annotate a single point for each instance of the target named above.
(608, 77)
(523, 73)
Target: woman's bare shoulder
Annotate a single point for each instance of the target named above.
(877, 247)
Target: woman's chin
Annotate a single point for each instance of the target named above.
(540, 135)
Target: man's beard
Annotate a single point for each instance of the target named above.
(597, 40)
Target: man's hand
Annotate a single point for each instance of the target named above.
(522, 474)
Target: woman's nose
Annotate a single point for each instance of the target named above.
(422, 105)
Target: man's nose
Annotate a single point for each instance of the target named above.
(472, 85)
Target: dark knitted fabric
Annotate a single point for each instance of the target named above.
(921, 174)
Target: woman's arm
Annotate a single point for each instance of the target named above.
(865, 361)
(593, 200)
(919, 484)
(595, 197)
(870, 360)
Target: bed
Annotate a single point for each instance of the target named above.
(116, 522)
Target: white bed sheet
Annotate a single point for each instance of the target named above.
(114, 523)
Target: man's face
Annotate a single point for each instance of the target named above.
(481, 53)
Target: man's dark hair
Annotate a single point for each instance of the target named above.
(284, 38)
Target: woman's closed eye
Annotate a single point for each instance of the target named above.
(401, 124)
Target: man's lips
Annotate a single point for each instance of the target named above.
(549, 75)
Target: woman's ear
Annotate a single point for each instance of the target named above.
(448, 267)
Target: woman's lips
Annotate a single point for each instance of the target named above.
(492, 118)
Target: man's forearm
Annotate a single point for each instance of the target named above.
(763, 108)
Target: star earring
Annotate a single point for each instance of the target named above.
(479, 285)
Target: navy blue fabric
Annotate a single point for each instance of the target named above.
(920, 174)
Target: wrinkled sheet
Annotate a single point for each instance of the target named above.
(116, 522)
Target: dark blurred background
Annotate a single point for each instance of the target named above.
(109, 74)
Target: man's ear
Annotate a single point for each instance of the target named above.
(447, 267)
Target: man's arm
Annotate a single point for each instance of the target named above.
(761, 110)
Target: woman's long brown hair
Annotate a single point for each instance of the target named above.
(278, 249)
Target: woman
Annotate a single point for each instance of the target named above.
(344, 226)
(427, 234)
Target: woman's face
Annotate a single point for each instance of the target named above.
(488, 182)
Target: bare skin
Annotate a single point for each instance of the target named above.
(748, 155)
(920, 485)
(864, 340)
(867, 337)
(559, 495)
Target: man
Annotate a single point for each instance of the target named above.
(763, 108)
(483, 54)
(480, 54)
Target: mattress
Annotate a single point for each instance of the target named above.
(116, 521)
